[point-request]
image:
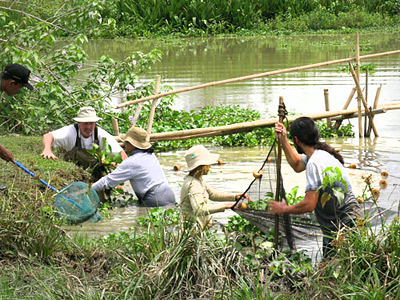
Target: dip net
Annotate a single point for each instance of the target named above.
(77, 203)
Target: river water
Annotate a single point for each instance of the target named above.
(193, 61)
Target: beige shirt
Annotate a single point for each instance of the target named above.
(195, 197)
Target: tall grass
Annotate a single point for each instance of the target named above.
(210, 17)
(26, 228)
(366, 267)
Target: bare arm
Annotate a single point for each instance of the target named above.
(6, 154)
(123, 155)
(48, 140)
(293, 158)
(308, 204)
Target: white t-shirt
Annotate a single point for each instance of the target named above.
(331, 212)
(65, 138)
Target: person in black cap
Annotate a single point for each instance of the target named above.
(13, 78)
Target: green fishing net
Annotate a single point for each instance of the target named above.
(77, 203)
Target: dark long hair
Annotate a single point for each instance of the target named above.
(307, 132)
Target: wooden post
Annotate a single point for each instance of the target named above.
(378, 93)
(153, 107)
(115, 126)
(281, 115)
(366, 100)
(360, 131)
(359, 92)
(346, 105)
(326, 96)
(137, 113)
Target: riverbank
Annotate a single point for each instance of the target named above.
(155, 257)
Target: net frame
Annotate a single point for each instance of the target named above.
(77, 203)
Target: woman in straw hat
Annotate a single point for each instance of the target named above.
(196, 193)
(143, 171)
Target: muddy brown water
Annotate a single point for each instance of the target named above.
(189, 62)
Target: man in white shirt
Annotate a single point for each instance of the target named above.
(76, 139)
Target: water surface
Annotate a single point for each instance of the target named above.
(194, 61)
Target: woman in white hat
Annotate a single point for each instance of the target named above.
(196, 193)
(143, 171)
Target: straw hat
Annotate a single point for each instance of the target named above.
(137, 137)
(87, 114)
(199, 156)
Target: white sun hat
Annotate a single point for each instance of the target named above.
(199, 156)
(87, 114)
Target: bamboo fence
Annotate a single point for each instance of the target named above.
(242, 127)
(249, 126)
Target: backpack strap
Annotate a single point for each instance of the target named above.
(78, 139)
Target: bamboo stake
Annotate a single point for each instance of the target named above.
(281, 114)
(153, 107)
(137, 113)
(326, 96)
(378, 93)
(346, 105)
(254, 76)
(359, 91)
(366, 100)
(115, 126)
(360, 132)
(353, 91)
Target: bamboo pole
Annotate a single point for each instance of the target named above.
(153, 107)
(346, 105)
(366, 100)
(378, 93)
(359, 91)
(254, 76)
(354, 115)
(281, 114)
(137, 113)
(248, 126)
(115, 126)
(360, 132)
(326, 97)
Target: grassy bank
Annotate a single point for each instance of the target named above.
(161, 258)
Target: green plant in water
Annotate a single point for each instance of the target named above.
(157, 215)
(343, 131)
(104, 157)
(370, 67)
